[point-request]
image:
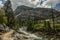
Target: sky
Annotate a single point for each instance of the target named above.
(34, 3)
(57, 6)
(2, 2)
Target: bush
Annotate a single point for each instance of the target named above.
(29, 25)
(57, 28)
(3, 17)
(47, 26)
(37, 27)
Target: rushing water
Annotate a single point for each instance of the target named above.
(23, 30)
(37, 37)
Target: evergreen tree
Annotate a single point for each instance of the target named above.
(3, 17)
(44, 24)
(53, 19)
(29, 24)
(9, 13)
(48, 26)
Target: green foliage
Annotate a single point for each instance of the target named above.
(29, 24)
(20, 22)
(44, 24)
(37, 26)
(16, 27)
(7, 16)
(3, 17)
(47, 26)
(57, 27)
(9, 13)
(1, 20)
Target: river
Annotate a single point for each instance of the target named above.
(32, 35)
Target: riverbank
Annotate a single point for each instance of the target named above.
(49, 35)
(23, 34)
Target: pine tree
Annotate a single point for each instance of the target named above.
(29, 24)
(3, 17)
(9, 13)
(44, 24)
(48, 26)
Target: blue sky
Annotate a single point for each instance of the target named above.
(34, 3)
(57, 6)
(3, 1)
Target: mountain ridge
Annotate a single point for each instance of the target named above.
(40, 13)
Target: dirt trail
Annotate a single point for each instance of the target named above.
(6, 36)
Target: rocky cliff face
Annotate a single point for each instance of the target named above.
(23, 12)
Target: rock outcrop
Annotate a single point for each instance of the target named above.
(23, 12)
(16, 35)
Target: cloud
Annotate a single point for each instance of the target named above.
(2, 2)
(34, 3)
(1, 5)
(22, 2)
(52, 2)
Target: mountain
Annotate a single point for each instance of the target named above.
(23, 12)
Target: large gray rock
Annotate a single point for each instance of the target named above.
(4, 28)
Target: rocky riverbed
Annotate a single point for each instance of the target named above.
(21, 34)
(8, 34)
